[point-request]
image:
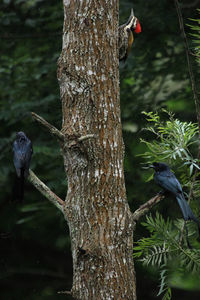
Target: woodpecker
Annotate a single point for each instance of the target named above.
(126, 36)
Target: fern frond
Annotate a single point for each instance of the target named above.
(164, 288)
(163, 245)
(190, 260)
(168, 294)
(157, 255)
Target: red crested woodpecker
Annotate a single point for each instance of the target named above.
(126, 35)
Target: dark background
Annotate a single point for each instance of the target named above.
(35, 257)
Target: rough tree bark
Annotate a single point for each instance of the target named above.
(96, 208)
(100, 221)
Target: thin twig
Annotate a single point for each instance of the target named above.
(194, 178)
(52, 129)
(85, 137)
(143, 209)
(65, 292)
(44, 190)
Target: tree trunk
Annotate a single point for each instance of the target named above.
(96, 208)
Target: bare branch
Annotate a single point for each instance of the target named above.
(65, 292)
(85, 137)
(44, 190)
(143, 209)
(53, 130)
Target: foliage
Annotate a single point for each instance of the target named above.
(173, 139)
(173, 143)
(195, 27)
(164, 248)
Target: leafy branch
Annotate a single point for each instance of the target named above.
(173, 140)
(163, 248)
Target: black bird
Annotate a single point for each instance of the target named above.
(168, 181)
(22, 149)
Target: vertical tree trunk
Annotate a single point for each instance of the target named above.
(96, 207)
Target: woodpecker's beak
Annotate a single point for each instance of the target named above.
(130, 19)
(132, 13)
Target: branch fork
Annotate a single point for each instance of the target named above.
(58, 134)
(70, 142)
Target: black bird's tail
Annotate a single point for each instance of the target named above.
(186, 210)
(21, 185)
